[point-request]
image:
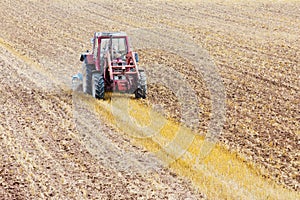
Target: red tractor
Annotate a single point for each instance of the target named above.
(112, 67)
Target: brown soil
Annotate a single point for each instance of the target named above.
(43, 154)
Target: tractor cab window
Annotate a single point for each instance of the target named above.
(103, 49)
(117, 47)
(104, 45)
(95, 48)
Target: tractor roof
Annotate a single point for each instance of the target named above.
(99, 34)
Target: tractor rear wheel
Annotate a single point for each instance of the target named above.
(87, 78)
(141, 91)
(98, 85)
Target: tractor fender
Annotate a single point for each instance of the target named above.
(83, 55)
(87, 58)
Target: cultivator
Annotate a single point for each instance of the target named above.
(111, 67)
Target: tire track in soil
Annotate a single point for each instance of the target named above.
(214, 176)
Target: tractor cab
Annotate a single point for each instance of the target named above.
(115, 45)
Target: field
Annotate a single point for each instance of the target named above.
(56, 143)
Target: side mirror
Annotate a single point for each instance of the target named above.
(136, 56)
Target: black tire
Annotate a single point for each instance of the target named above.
(141, 91)
(87, 78)
(98, 90)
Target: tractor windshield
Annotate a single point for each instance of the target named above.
(117, 47)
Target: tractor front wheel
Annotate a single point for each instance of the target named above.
(87, 78)
(98, 85)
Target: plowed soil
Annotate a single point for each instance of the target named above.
(44, 153)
